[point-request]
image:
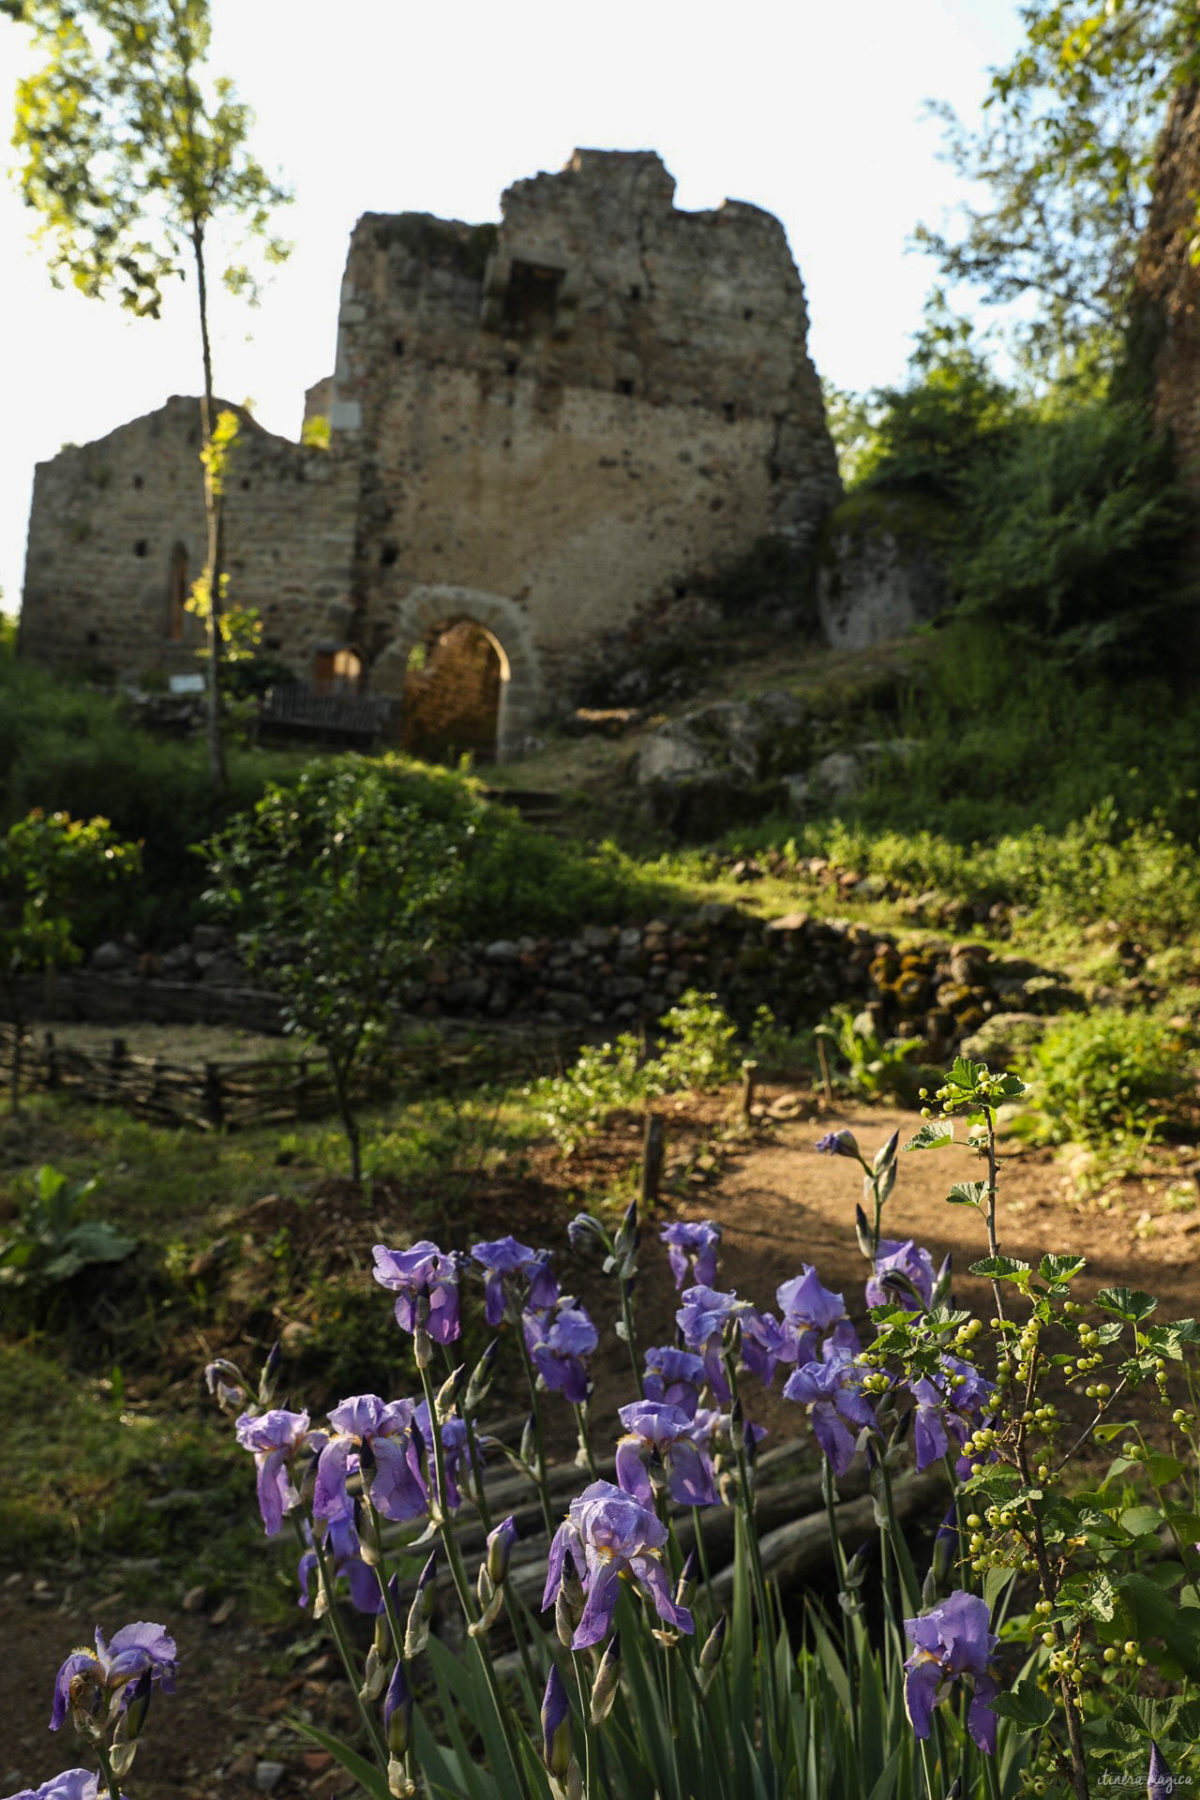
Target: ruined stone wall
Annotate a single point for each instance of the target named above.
(117, 534)
(544, 427)
(1166, 337)
(573, 412)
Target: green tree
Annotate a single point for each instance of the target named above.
(132, 155)
(49, 864)
(1066, 152)
(343, 889)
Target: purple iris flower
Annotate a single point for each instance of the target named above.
(702, 1320)
(136, 1650)
(340, 1542)
(949, 1405)
(809, 1308)
(838, 1143)
(422, 1270)
(765, 1342)
(276, 1439)
(901, 1270)
(657, 1432)
(608, 1534)
(454, 1449)
(675, 1376)
(505, 1258)
(558, 1342)
(72, 1784)
(831, 1388)
(949, 1641)
(692, 1251)
(373, 1439)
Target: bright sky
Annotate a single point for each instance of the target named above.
(810, 109)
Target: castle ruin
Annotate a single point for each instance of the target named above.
(537, 429)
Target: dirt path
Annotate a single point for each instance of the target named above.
(780, 1205)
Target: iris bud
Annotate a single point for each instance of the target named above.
(416, 1633)
(608, 1678)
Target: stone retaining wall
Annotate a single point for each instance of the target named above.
(608, 977)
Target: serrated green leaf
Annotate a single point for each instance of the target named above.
(1003, 1268)
(932, 1135)
(1061, 1268)
(967, 1193)
(1025, 1705)
(1130, 1304)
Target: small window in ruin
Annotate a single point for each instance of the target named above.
(531, 300)
(397, 346)
(749, 313)
(137, 481)
(141, 547)
(730, 411)
(91, 639)
(177, 592)
(511, 365)
(245, 484)
(635, 292)
(389, 554)
(624, 385)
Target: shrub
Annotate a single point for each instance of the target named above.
(1106, 1073)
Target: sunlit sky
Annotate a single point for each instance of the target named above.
(810, 109)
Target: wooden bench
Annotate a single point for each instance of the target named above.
(297, 709)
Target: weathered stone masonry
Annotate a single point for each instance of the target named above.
(540, 426)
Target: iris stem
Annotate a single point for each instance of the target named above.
(462, 1586)
(106, 1769)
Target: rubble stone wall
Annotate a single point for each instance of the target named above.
(579, 408)
(554, 421)
(117, 534)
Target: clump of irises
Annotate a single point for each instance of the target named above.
(585, 1644)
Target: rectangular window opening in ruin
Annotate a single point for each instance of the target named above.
(177, 593)
(531, 298)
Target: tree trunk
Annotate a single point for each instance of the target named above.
(341, 1085)
(212, 514)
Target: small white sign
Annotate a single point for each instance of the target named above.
(187, 684)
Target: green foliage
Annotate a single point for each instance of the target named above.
(1105, 1074)
(1140, 876)
(127, 153)
(54, 1241)
(1075, 528)
(922, 438)
(697, 1052)
(343, 890)
(874, 1067)
(1067, 149)
(316, 432)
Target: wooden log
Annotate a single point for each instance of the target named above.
(797, 1550)
(653, 1148)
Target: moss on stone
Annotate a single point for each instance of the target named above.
(915, 521)
(464, 248)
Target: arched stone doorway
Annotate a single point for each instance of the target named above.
(429, 615)
(456, 675)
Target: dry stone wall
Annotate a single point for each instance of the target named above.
(606, 977)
